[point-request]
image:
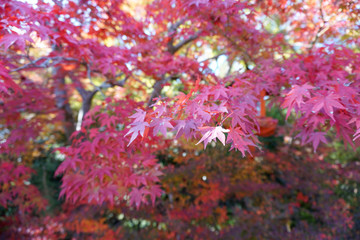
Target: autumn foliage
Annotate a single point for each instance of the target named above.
(179, 119)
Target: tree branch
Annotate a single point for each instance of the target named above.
(173, 49)
(322, 28)
(175, 26)
(47, 62)
(247, 57)
(61, 98)
(158, 87)
(214, 57)
(97, 88)
(85, 107)
(87, 97)
(78, 85)
(172, 32)
(120, 83)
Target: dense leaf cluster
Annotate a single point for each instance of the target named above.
(111, 113)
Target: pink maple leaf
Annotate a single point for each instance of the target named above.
(239, 141)
(153, 191)
(11, 39)
(218, 91)
(327, 103)
(211, 133)
(160, 109)
(161, 125)
(136, 197)
(296, 96)
(316, 138)
(137, 127)
(139, 115)
(185, 127)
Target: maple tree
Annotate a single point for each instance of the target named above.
(125, 103)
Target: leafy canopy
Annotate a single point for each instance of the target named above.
(119, 94)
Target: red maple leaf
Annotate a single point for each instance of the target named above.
(136, 197)
(327, 103)
(9, 40)
(137, 127)
(239, 141)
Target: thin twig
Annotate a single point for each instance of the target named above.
(214, 57)
(173, 49)
(246, 56)
(157, 87)
(172, 32)
(322, 28)
(120, 83)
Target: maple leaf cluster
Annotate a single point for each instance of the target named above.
(198, 115)
(123, 104)
(100, 168)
